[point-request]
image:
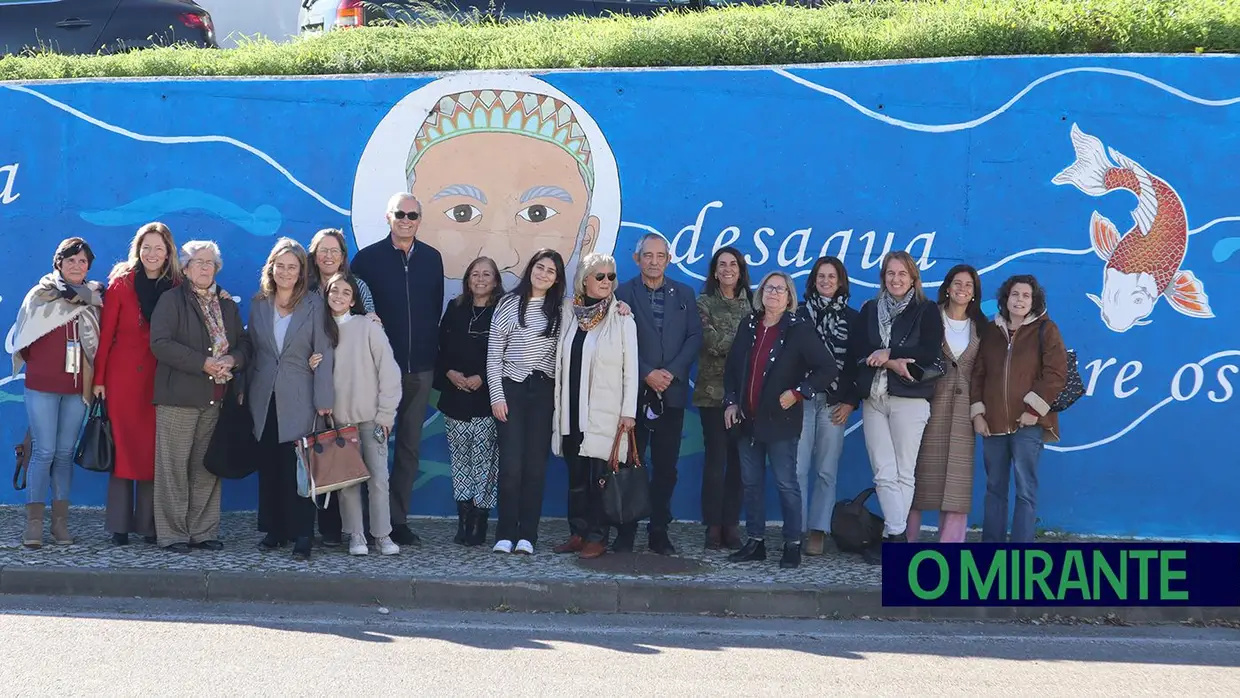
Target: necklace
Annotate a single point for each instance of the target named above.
(476, 314)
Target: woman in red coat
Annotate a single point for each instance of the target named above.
(125, 377)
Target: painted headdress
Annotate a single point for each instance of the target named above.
(503, 111)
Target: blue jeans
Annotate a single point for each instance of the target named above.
(1019, 451)
(783, 457)
(818, 452)
(55, 424)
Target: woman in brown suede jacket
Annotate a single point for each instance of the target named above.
(1020, 368)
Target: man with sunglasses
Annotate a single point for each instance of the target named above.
(669, 335)
(405, 277)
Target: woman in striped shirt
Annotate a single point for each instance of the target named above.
(521, 352)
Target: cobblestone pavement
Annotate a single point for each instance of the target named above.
(438, 556)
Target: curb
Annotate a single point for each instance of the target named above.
(553, 596)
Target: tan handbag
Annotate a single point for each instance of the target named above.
(330, 460)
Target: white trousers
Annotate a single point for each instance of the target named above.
(892, 428)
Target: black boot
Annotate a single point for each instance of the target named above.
(463, 512)
(476, 532)
(874, 555)
(753, 551)
(792, 556)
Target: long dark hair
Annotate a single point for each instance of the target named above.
(742, 280)
(974, 310)
(329, 324)
(843, 290)
(467, 296)
(1039, 294)
(555, 295)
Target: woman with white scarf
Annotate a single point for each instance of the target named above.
(822, 432)
(898, 342)
(55, 340)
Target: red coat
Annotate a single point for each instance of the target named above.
(125, 366)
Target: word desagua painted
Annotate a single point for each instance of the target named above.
(1015, 165)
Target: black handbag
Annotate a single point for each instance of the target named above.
(626, 487)
(95, 450)
(854, 528)
(21, 453)
(233, 451)
(923, 374)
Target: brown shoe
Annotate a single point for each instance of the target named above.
(732, 538)
(33, 536)
(572, 545)
(592, 550)
(817, 539)
(714, 537)
(60, 522)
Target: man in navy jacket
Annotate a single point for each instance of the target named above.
(405, 277)
(669, 335)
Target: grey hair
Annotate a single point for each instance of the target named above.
(792, 296)
(651, 236)
(394, 202)
(193, 247)
(589, 263)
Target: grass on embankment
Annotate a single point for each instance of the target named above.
(745, 35)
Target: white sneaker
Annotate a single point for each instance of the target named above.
(503, 546)
(387, 547)
(525, 547)
(357, 544)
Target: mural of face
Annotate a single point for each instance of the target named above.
(503, 165)
(530, 197)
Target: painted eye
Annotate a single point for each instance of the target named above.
(463, 213)
(538, 213)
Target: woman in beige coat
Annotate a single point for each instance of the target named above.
(944, 474)
(596, 387)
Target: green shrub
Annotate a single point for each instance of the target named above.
(739, 35)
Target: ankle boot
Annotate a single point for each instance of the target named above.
(463, 510)
(33, 537)
(60, 522)
(478, 526)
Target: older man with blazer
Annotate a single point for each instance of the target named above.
(286, 396)
(669, 335)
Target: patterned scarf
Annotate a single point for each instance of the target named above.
(889, 308)
(209, 301)
(589, 316)
(827, 315)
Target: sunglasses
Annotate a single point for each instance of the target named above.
(600, 276)
(411, 215)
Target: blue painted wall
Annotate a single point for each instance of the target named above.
(952, 160)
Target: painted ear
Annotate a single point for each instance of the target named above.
(1097, 301)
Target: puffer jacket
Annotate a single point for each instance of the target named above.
(720, 319)
(1011, 377)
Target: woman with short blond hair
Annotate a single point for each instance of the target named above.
(596, 386)
(901, 335)
(776, 363)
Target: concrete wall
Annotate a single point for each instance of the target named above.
(952, 160)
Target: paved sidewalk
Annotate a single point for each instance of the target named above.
(441, 574)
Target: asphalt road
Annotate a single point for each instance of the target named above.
(64, 647)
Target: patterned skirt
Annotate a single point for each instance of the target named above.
(473, 448)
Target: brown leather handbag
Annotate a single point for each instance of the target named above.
(330, 460)
(626, 487)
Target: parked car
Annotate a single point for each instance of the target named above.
(326, 15)
(94, 26)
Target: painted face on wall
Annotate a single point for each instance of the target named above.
(502, 173)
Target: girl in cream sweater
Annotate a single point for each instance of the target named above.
(368, 389)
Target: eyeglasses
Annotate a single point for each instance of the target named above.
(600, 276)
(776, 290)
(411, 215)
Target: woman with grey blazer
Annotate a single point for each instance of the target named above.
(287, 391)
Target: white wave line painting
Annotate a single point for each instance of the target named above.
(176, 140)
(972, 123)
(1211, 224)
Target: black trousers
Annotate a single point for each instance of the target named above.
(585, 498)
(721, 473)
(281, 511)
(524, 447)
(662, 436)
